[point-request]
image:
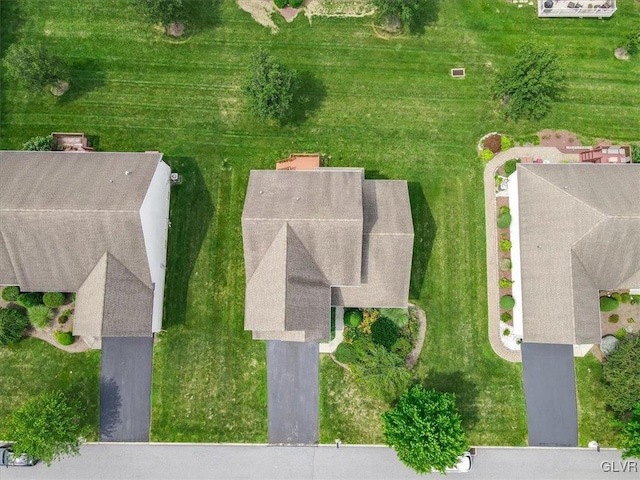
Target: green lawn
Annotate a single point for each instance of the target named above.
(388, 106)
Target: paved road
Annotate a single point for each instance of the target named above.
(196, 462)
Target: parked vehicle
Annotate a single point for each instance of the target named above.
(463, 465)
(9, 459)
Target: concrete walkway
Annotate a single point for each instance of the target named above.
(551, 154)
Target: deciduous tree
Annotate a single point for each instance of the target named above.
(270, 86)
(530, 83)
(12, 325)
(161, 11)
(46, 427)
(425, 430)
(630, 436)
(34, 66)
(621, 373)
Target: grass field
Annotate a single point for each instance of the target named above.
(388, 106)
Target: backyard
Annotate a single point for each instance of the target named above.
(386, 105)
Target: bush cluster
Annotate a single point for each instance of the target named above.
(608, 304)
(64, 338)
(345, 353)
(507, 302)
(384, 332)
(10, 294)
(12, 325)
(352, 317)
(510, 166)
(40, 316)
(487, 154)
(54, 299)
(28, 300)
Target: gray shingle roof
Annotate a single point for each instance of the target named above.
(61, 213)
(579, 230)
(329, 219)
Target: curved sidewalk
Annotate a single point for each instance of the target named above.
(493, 293)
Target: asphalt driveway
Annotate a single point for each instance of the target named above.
(125, 389)
(292, 383)
(550, 391)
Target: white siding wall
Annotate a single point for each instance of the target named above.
(154, 215)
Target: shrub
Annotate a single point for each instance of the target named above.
(621, 373)
(28, 300)
(608, 304)
(40, 316)
(487, 154)
(402, 347)
(507, 302)
(62, 319)
(280, 3)
(399, 316)
(39, 144)
(384, 332)
(621, 334)
(506, 317)
(54, 299)
(12, 325)
(505, 209)
(510, 166)
(616, 296)
(10, 294)
(504, 220)
(614, 318)
(64, 338)
(505, 143)
(352, 317)
(492, 142)
(67, 313)
(625, 297)
(635, 299)
(505, 264)
(295, 3)
(635, 153)
(363, 346)
(631, 320)
(506, 332)
(505, 245)
(505, 282)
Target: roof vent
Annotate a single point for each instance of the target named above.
(175, 178)
(127, 172)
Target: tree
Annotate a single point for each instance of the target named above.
(530, 83)
(39, 144)
(270, 86)
(12, 325)
(382, 372)
(392, 11)
(425, 430)
(630, 435)
(621, 372)
(46, 427)
(161, 11)
(34, 66)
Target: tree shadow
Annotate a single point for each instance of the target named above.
(86, 391)
(85, 76)
(465, 390)
(94, 141)
(110, 404)
(424, 228)
(374, 175)
(308, 98)
(191, 212)
(201, 14)
(427, 15)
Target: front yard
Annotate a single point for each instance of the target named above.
(388, 106)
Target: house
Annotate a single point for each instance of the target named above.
(320, 238)
(299, 161)
(575, 232)
(576, 9)
(607, 154)
(95, 224)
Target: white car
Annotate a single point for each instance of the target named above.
(463, 465)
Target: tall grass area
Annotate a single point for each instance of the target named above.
(386, 105)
